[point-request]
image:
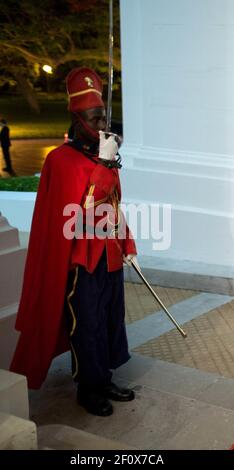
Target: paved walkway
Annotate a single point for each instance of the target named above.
(184, 387)
(28, 155)
(208, 320)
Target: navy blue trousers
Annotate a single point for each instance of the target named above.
(95, 311)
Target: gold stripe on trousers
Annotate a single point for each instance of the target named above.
(73, 319)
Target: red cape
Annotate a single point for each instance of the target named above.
(64, 180)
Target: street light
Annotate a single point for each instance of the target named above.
(48, 69)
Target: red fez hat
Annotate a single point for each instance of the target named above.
(84, 88)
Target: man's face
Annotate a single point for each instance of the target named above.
(95, 120)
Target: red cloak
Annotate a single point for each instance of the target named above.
(40, 320)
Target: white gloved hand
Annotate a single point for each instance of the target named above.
(127, 260)
(108, 148)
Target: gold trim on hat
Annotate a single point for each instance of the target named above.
(83, 92)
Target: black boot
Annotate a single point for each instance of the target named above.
(113, 392)
(94, 402)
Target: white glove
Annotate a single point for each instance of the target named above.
(127, 260)
(108, 148)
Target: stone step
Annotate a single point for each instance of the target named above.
(61, 437)
(8, 334)
(177, 407)
(45, 448)
(17, 433)
(3, 221)
(12, 262)
(24, 239)
(9, 237)
(14, 394)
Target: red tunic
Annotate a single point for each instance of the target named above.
(104, 188)
(66, 178)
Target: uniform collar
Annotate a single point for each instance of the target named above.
(89, 150)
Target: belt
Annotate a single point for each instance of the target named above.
(96, 231)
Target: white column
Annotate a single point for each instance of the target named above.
(131, 57)
(178, 102)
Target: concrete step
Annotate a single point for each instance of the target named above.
(45, 448)
(176, 407)
(14, 394)
(9, 237)
(17, 433)
(194, 410)
(3, 221)
(8, 334)
(24, 239)
(12, 262)
(61, 437)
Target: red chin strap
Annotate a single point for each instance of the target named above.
(94, 135)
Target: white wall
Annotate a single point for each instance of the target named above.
(178, 109)
(18, 208)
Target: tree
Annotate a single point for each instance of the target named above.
(53, 32)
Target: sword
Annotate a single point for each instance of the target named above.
(182, 332)
(110, 68)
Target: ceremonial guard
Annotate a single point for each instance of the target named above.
(73, 291)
